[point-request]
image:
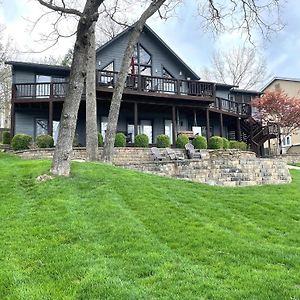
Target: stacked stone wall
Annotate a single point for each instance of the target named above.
(223, 168)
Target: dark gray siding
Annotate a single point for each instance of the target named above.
(160, 56)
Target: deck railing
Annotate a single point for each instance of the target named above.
(40, 90)
(143, 83)
(231, 106)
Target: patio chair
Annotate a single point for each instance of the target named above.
(155, 152)
(191, 152)
(173, 155)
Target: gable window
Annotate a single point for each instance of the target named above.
(109, 67)
(107, 78)
(168, 82)
(141, 62)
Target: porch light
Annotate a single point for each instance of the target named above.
(180, 73)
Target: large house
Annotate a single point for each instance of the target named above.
(163, 95)
(291, 86)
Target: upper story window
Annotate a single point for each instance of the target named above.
(141, 62)
(109, 67)
(166, 73)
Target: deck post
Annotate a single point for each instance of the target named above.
(207, 124)
(238, 129)
(136, 119)
(174, 126)
(12, 118)
(50, 118)
(221, 125)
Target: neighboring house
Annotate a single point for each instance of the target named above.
(291, 86)
(163, 95)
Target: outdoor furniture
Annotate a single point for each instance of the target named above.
(191, 152)
(155, 152)
(173, 155)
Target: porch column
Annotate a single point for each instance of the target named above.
(12, 118)
(50, 118)
(207, 124)
(238, 129)
(136, 119)
(174, 126)
(221, 125)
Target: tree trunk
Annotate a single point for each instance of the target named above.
(68, 121)
(119, 87)
(91, 101)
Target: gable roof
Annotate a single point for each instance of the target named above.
(280, 78)
(155, 36)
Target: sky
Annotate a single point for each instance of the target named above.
(183, 33)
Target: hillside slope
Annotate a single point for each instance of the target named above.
(110, 233)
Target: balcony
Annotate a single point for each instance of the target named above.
(135, 84)
(159, 86)
(231, 107)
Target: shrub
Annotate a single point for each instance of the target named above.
(225, 143)
(141, 140)
(181, 141)
(100, 140)
(238, 145)
(120, 140)
(200, 142)
(243, 146)
(6, 139)
(163, 141)
(45, 141)
(215, 142)
(21, 141)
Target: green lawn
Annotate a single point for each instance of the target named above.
(110, 233)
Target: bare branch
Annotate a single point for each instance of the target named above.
(62, 9)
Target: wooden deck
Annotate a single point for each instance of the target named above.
(149, 88)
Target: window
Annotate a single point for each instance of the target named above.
(146, 128)
(168, 85)
(107, 78)
(141, 62)
(59, 89)
(109, 67)
(169, 129)
(42, 88)
(287, 141)
(41, 127)
(104, 121)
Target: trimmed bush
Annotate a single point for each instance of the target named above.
(163, 141)
(100, 140)
(6, 138)
(238, 145)
(243, 146)
(141, 140)
(199, 142)
(215, 142)
(45, 141)
(120, 140)
(225, 143)
(181, 141)
(21, 142)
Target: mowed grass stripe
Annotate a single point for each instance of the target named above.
(110, 233)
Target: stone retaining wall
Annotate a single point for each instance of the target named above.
(224, 168)
(289, 158)
(222, 171)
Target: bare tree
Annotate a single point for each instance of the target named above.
(7, 52)
(240, 66)
(91, 101)
(248, 16)
(119, 87)
(89, 15)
